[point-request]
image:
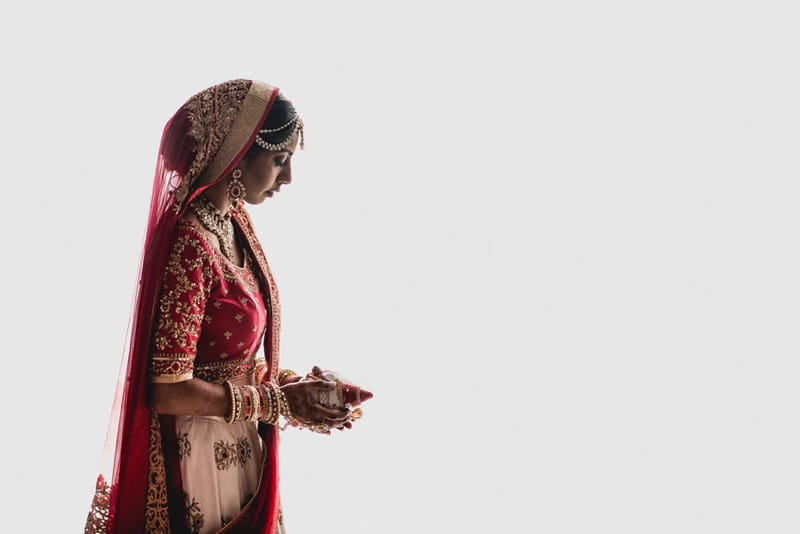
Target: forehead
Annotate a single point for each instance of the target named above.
(293, 145)
(288, 151)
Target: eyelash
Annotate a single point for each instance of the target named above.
(281, 163)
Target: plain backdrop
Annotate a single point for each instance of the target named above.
(558, 240)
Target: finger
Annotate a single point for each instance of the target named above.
(320, 409)
(339, 416)
(335, 420)
(321, 385)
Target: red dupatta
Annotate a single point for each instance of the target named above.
(200, 145)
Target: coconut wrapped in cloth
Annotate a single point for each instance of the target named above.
(345, 394)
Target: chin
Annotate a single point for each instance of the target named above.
(257, 201)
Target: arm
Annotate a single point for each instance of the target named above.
(185, 288)
(198, 397)
(190, 397)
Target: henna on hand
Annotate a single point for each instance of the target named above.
(303, 402)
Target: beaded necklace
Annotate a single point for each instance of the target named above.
(218, 224)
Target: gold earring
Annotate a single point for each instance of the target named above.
(236, 191)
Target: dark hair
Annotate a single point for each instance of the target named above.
(281, 112)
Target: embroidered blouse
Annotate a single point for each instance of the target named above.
(211, 317)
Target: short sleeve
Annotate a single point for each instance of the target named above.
(184, 291)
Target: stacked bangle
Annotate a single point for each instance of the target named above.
(238, 403)
(257, 413)
(247, 404)
(265, 403)
(284, 373)
(231, 417)
(274, 398)
(284, 404)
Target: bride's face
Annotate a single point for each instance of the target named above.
(264, 174)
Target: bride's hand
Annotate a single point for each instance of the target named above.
(302, 397)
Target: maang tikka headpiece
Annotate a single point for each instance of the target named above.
(297, 130)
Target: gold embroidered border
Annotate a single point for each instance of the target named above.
(97, 520)
(261, 370)
(167, 368)
(156, 514)
(171, 379)
(177, 327)
(244, 125)
(218, 372)
(232, 273)
(246, 224)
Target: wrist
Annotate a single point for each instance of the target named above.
(287, 376)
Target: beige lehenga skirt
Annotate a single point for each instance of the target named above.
(220, 467)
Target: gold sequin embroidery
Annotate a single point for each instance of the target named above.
(187, 283)
(156, 512)
(97, 521)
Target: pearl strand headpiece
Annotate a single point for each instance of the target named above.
(297, 130)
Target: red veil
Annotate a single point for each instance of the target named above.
(200, 145)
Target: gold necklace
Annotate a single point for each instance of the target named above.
(218, 224)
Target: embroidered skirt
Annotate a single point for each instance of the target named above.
(220, 468)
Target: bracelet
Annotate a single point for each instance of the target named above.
(274, 407)
(279, 402)
(284, 404)
(231, 416)
(266, 402)
(247, 405)
(285, 373)
(237, 391)
(254, 404)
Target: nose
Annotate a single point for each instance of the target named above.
(286, 175)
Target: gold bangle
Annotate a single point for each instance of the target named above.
(274, 404)
(284, 404)
(237, 391)
(229, 387)
(247, 403)
(266, 398)
(285, 373)
(254, 404)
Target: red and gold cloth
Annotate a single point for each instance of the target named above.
(139, 488)
(212, 314)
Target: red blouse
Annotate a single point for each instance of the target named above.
(212, 314)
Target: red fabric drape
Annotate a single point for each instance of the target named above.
(132, 443)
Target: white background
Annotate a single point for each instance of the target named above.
(558, 240)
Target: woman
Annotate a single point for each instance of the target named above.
(194, 431)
